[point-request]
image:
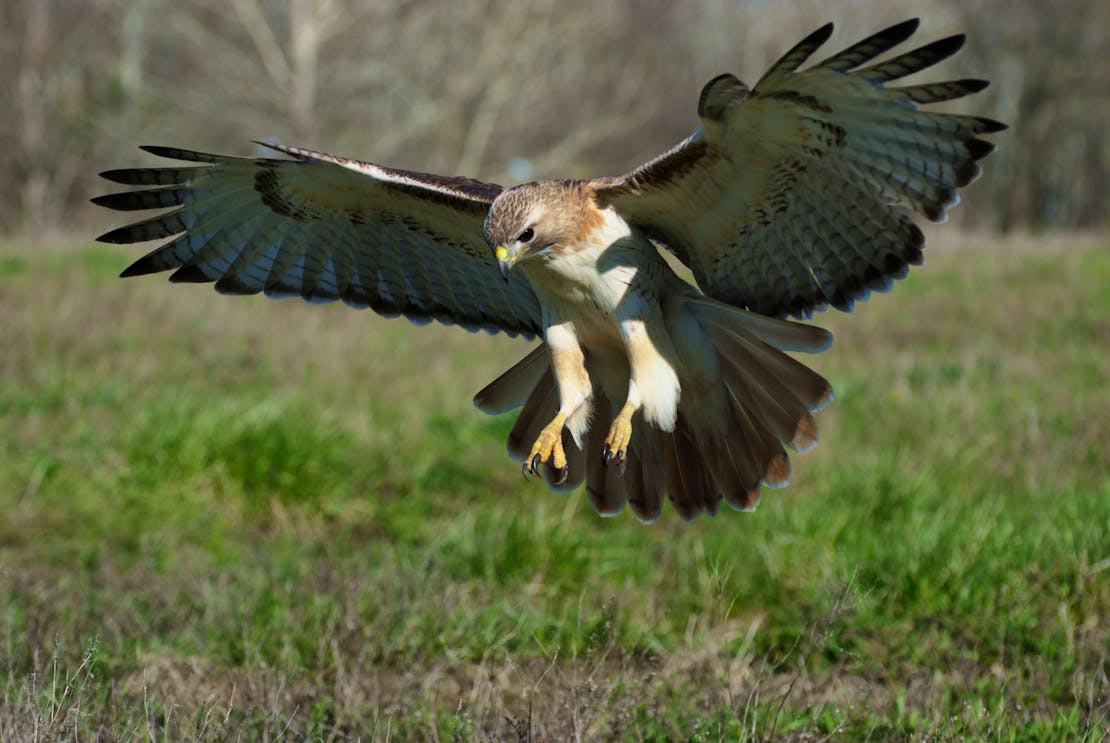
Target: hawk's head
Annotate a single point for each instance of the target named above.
(535, 219)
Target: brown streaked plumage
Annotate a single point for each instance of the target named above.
(572, 220)
(797, 193)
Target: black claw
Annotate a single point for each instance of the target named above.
(563, 473)
(536, 465)
(606, 455)
(524, 469)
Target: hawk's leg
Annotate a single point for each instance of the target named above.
(549, 449)
(568, 362)
(653, 386)
(620, 434)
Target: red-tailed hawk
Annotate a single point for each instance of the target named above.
(794, 195)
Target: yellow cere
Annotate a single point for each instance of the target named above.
(502, 253)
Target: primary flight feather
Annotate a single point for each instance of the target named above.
(794, 195)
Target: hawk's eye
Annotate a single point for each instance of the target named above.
(526, 236)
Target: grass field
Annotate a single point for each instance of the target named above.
(243, 519)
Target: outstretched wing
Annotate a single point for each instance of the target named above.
(795, 195)
(326, 228)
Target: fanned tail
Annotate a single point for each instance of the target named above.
(512, 389)
(771, 398)
(732, 435)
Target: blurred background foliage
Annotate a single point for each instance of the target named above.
(503, 91)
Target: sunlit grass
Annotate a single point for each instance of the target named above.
(232, 516)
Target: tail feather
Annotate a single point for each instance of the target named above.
(605, 487)
(690, 485)
(781, 334)
(753, 343)
(768, 462)
(539, 409)
(741, 498)
(744, 444)
(648, 481)
(724, 473)
(771, 402)
(635, 477)
(617, 491)
(780, 375)
(511, 389)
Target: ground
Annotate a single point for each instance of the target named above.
(239, 518)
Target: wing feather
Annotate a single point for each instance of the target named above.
(871, 47)
(325, 228)
(937, 92)
(799, 53)
(798, 194)
(915, 60)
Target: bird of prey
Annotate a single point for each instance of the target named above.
(793, 195)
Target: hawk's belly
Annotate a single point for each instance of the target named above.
(593, 302)
(610, 305)
(597, 289)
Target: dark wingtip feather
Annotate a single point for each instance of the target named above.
(151, 176)
(189, 275)
(233, 285)
(821, 35)
(967, 171)
(148, 264)
(915, 60)
(946, 47)
(872, 46)
(900, 31)
(911, 23)
(155, 228)
(978, 148)
(801, 51)
(940, 49)
(126, 176)
(176, 153)
(989, 126)
(946, 91)
(913, 252)
(159, 150)
(118, 236)
(934, 212)
(110, 200)
(876, 281)
(128, 201)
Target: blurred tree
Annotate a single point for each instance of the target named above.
(574, 87)
(1052, 84)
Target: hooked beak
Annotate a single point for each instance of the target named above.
(505, 261)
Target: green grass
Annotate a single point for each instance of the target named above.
(234, 518)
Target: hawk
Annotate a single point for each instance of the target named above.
(793, 195)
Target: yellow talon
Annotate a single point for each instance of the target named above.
(620, 434)
(548, 448)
